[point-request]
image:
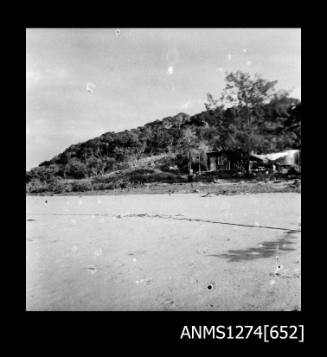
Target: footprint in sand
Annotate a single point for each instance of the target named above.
(92, 269)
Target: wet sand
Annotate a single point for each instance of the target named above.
(164, 252)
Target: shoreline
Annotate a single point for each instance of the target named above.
(223, 188)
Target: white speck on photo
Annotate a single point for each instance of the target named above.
(90, 87)
(170, 70)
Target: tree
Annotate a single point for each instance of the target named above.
(203, 148)
(282, 126)
(244, 98)
(75, 169)
(188, 145)
(95, 166)
(108, 164)
(212, 104)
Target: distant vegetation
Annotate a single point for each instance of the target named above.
(250, 115)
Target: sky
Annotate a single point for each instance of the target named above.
(81, 83)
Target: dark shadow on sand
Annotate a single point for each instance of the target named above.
(266, 249)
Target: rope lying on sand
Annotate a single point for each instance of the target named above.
(206, 221)
(166, 216)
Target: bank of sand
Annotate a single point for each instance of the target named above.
(164, 252)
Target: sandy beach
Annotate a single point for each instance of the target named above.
(164, 252)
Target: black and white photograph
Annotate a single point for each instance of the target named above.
(163, 169)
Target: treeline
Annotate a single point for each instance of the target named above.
(254, 122)
(113, 151)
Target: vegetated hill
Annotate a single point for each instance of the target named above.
(165, 147)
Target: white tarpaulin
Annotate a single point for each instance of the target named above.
(288, 157)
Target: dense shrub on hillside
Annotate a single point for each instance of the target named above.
(141, 177)
(104, 186)
(102, 179)
(75, 169)
(81, 186)
(61, 187)
(182, 162)
(36, 186)
(132, 178)
(168, 164)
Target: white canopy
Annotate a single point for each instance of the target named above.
(288, 157)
